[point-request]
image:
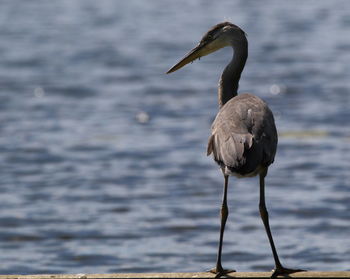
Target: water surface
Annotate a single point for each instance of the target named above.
(103, 165)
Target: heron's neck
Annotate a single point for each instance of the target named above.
(228, 84)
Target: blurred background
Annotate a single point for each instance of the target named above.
(102, 156)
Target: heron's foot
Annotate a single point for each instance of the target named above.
(284, 271)
(219, 271)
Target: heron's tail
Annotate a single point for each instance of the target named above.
(231, 151)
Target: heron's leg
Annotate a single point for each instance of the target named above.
(279, 269)
(224, 213)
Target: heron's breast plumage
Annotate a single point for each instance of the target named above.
(243, 137)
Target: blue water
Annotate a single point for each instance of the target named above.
(102, 155)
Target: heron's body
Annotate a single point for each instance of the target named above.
(239, 142)
(243, 137)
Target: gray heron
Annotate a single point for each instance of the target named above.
(243, 137)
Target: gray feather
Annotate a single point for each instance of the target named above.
(243, 135)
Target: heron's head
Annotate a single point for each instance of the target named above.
(219, 36)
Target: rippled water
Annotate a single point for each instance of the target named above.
(103, 165)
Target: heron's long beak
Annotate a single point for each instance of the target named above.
(195, 53)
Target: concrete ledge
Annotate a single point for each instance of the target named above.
(197, 275)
